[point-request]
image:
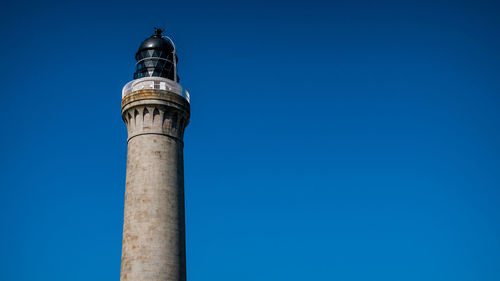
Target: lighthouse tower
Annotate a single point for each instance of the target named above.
(155, 108)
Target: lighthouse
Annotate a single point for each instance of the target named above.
(155, 109)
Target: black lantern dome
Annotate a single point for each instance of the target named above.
(155, 57)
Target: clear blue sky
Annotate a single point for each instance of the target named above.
(343, 141)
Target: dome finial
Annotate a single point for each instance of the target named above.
(158, 31)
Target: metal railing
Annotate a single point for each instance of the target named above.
(155, 83)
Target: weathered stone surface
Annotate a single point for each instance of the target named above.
(154, 230)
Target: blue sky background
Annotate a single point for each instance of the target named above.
(328, 141)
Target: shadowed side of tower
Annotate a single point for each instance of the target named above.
(156, 112)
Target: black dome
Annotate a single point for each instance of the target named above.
(156, 42)
(155, 58)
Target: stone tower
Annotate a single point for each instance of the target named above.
(155, 108)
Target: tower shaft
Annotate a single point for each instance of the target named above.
(154, 228)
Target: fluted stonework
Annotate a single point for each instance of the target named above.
(153, 230)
